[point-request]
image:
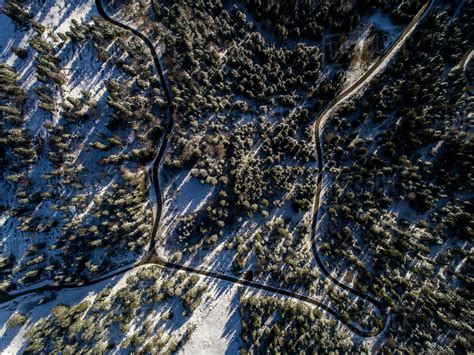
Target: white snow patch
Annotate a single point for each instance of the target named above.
(219, 320)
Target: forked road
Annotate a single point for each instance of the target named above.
(153, 257)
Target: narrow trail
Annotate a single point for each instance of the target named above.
(152, 256)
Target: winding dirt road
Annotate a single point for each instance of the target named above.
(376, 68)
(152, 256)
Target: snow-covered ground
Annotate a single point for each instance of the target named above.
(363, 38)
(218, 321)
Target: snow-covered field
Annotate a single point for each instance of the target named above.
(218, 321)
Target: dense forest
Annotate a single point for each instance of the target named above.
(82, 113)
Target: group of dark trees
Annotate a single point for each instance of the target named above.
(105, 322)
(297, 19)
(284, 326)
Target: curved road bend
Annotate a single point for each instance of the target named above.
(154, 176)
(153, 257)
(319, 124)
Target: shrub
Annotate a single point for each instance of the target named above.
(16, 320)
